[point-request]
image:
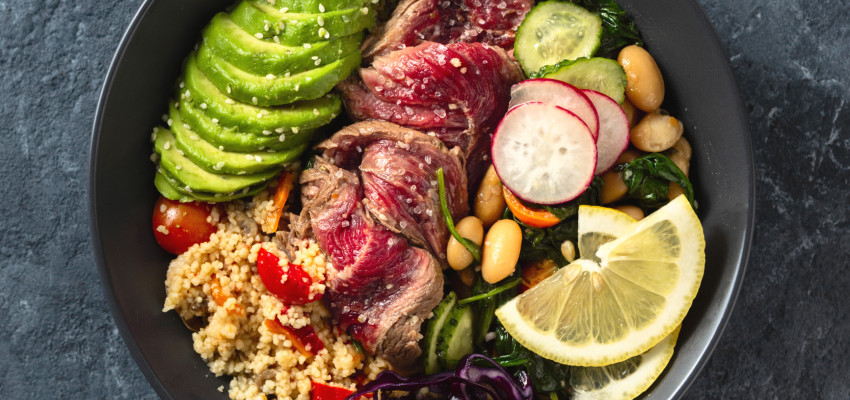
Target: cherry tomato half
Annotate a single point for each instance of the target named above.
(295, 289)
(177, 226)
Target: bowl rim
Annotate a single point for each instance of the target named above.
(728, 299)
(94, 230)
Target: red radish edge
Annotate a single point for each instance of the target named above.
(569, 98)
(613, 136)
(576, 189)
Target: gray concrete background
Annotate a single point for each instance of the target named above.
(789, 336)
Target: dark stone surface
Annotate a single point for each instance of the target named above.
(789, 336)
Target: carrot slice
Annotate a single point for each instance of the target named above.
(533, 217)
(284, 186)
(221, 298)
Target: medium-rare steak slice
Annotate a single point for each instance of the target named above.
(398, 168)
(457, 92)
(492, 22)
(378, 287)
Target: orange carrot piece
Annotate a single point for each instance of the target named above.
(284, 186)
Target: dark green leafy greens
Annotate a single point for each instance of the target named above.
(648, 178)
(618, 30)
(545, 243)
(473, 248)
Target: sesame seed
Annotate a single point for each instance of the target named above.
(282, 137)
(276, 39)
(254, 99)
(162, 229)
(266, 132)
(321, 8)
(203, 106)
(259, 115)
(169, 122)
(294, 129)
(229, 101)
(364, 10)
(320, 21)
(307, 45)
(218, 166)
(249, 157)
(167, 145)
(178, 167)
(215, 120)
(279, 130)
(316, 111)
(297, 86)
(258, 158)
(284, 9)
(270, 76)
(221, 148)
(317, 62)
(281, 25)
(194, 137)
(258, 35)
(228, 89)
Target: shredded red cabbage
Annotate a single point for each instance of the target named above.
(470, 381)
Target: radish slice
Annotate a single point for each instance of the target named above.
(559, 93)
(543, 153)
(613, 136)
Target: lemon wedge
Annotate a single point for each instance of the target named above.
(625, 379)
(620, 300)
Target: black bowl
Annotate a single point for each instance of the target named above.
(701, 90)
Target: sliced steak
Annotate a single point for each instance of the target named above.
(457, 92)
(398, 168)
(379, 288)
(492, 22)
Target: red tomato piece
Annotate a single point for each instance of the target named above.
(322, 391)
(295, 289)
(177, 226)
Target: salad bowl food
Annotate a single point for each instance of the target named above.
(700, 91)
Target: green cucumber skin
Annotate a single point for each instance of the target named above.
(600, 74)
(248, 118)
(259, 90)
(195, 177)
(435, 325)
(526, 41)
(227, 40)
(294, 29)
(450, 335)
(217, 161)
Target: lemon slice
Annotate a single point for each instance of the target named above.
(600, 225)
(621, 300)
(625, 379)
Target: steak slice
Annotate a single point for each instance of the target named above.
(492, 22)
(458, 92)
(398, 168)
(379, 288)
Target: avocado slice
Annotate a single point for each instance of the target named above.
(227, 40)
(290, 118)
(259, 90)
(230, 139)
(218, 161)
(171, 189)
(306, 6)
(196, 178)
(295, 29)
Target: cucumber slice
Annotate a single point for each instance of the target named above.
(600, 74)
(554, 31)
(435, 325)
(262, 56)
(455, 338)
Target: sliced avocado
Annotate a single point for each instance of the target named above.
(171, 189)
(302, 116)
(230, 139)
(259, 90)
(217, 161)
(294, 29)
(306, 6)
(262, 57)
(196, 178)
